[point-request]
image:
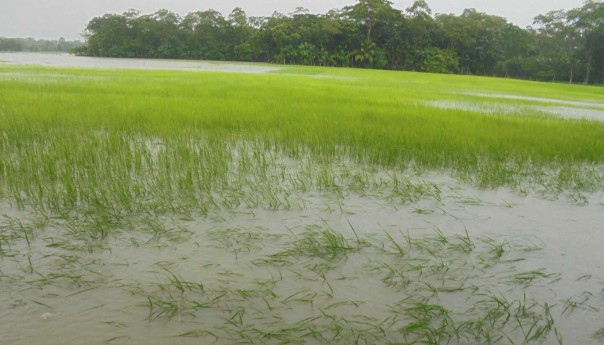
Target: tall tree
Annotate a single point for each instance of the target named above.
(589, 22)
(478, 39)
(239, 36)
(110, 36)
(421, 31)
(370, 13)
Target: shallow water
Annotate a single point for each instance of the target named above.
(540, 99)
(66, 60)
(571, 110)
(58, 288)
(574, 113)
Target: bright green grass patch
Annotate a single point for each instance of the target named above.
(152, 135)
(378, 115)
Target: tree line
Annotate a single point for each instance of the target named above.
(34, 45)
(564, 45)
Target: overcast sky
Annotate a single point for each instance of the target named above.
(51, 19)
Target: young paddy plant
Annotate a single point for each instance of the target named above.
(579, 302)
(323, 243)
(599, 335)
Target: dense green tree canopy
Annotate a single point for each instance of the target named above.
(562, 46)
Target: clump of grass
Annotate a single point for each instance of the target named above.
(579, 302)
(322, 243)
(599, 335)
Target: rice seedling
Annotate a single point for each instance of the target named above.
(199, 333)
(599, 335)
(529, 277)
(320, 243)
(118, 338)
(578, 302)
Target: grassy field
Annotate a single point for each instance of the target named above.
(76, 120)
(97, 163)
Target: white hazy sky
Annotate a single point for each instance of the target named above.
(51, 19)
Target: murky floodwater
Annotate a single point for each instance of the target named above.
(540, 99)
(237, 274)
(66, 60)
(571, 110)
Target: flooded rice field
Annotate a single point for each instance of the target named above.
(116, 237)
(454, 264)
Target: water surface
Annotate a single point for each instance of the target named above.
(67, 61)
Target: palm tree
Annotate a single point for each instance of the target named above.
(365, 55)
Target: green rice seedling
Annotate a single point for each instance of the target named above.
(323, 243)
(499, 312)
(532, 247)
(463, 243)
(121, 338)
(157, 228)
(599, 335)
(163, 307)
(419, 210)
(430, 324)
(356, 235)
(527, 278)
(538, 328)
(399, 249)
(578, 302)
(584, 277)
(13, 228)
(161, 230)
(199, 333)
(517, 321)
(396, 277)
(305, 296)
(406, 191)
(238, 240)
(236, 317)
(496, 250)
